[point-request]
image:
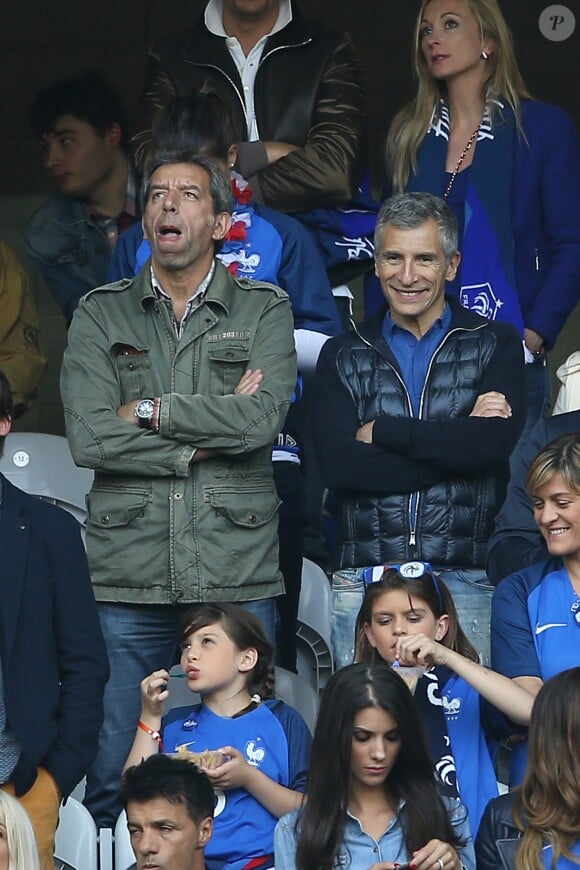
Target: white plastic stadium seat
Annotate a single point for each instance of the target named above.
(76, 838)
(124, 855)
(293, 690)
(42, 465)
(314, 647)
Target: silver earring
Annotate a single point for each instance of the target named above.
(484, 55)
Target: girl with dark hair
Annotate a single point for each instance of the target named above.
(372, 796)
(408, 618)
(537, 827)
(253, 748)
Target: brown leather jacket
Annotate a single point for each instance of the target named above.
(308, 92)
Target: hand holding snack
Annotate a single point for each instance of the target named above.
(233, 773)
(154, 693)
(409, 675)
(210, 759)
(417, 649)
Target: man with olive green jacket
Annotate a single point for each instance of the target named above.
(174, 386)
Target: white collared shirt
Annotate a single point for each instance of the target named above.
(246, 66)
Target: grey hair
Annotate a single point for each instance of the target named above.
(219, 186)
(407, 211)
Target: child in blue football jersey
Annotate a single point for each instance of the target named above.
(408, 618)
(254, 749)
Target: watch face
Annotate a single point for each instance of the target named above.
(144, 409)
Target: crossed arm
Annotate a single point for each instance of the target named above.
(248, 384)
(233, 423)
(404, 454)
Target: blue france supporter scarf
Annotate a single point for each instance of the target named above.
(487, 276)
(344, 235)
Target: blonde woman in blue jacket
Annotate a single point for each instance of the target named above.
(508, 167)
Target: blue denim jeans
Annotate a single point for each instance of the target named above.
(472, 595)
(469, 588)
(139, 639)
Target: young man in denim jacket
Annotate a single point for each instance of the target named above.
(80, 125)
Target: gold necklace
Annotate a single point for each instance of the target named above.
(462, 156)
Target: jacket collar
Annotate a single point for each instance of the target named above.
(213, 17)
(219, 290)
(461, 318)
(70, 211)
(13, 499)
(204, 47)
(14, 542)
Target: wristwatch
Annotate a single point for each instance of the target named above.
(144, 413)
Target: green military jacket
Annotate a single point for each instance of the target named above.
(160, 528)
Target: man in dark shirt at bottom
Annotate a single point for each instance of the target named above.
(169, 805)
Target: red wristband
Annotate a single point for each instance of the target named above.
(156, 735)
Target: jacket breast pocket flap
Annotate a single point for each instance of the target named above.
(75, 253)
(111, 508)
(248, 508)
(229, 353)
(227, 365)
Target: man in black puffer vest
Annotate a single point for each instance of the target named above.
(416, 414)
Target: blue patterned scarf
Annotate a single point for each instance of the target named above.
(487, 277)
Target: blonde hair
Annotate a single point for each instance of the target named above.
(502, 79)
(561, 456)
(22, 848)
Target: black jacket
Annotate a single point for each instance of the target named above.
(457, 464)
(53, 654)
(308, 92)
(498, 837)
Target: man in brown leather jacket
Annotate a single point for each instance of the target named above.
(295, 85)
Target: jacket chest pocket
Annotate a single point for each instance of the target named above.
(227, 364)
(134, 376)
(245, 507)
(76, 252)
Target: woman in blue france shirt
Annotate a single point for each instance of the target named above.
(535, 624)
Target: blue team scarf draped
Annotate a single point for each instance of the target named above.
(344, 235)
(487, 276)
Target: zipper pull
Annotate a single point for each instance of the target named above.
(412, 539)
